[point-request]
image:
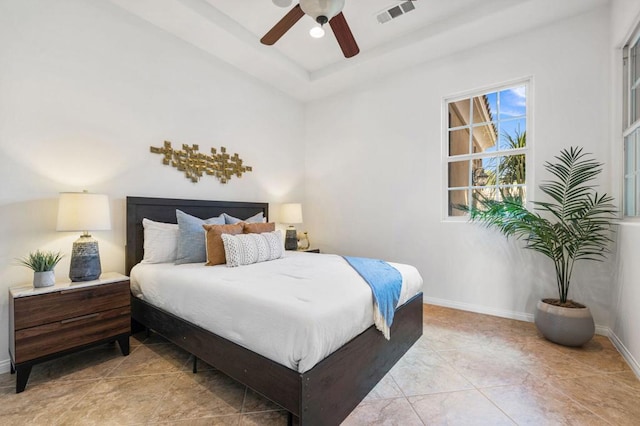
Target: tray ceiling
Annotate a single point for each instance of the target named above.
(308, 68)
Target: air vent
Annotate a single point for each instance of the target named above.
(395, 12)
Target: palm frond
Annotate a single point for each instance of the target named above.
(580, 220)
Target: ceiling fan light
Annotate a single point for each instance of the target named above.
(282, 3)
(328, 8)
(316, 32)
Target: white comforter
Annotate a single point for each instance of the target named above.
(296, 310)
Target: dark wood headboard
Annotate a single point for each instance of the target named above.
(164, 210)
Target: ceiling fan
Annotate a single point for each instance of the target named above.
(322, 11)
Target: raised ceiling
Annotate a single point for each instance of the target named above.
(313, 55)
(308, 68)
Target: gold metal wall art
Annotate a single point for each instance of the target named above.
(195, 164)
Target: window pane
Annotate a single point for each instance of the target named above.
(636, 135)
(459, 113)
(630, 154)
(484, 137)
(512, 134)
(512, 170)
(514, 192)
(636, 196)
(629, 196)
(458, 174)
(479, 176)
(490, 166)
(512, 103)
(456, 198)
(634, 98)
(482, 110)
(635, 70)
(635, 104)
(483, 194)
(459, 142)
(630, 175)
(492, 99)
(625, 86)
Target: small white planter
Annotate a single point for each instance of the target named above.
(44, 279)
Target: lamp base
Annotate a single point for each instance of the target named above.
(291, 239)
(85, 260)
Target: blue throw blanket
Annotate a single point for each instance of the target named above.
(385, 282)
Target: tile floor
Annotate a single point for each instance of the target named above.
(467, 369)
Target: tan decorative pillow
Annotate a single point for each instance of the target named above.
(258, 228)
(215, 247)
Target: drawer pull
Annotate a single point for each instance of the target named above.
(67, 321)
(74, 290)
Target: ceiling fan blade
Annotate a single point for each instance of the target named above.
(282, 26)
(344, 36)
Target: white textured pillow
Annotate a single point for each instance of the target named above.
(245, 249)
(160, 242)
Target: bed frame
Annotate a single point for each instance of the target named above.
(324, 395)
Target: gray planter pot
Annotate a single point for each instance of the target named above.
(44, 279)
(565, 326)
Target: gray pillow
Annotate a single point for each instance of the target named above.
(191, 237)
(257, 218)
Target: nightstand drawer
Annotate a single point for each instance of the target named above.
(67, 304)
(54, 337)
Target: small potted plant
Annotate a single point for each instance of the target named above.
(42, 263)
(575, 224)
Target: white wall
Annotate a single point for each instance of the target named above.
(374, 166)
(625, 14)
(85, 90)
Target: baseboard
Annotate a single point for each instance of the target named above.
(5, 366)
(603, 330)
(633, 363)
(520, 316)
(479, 309)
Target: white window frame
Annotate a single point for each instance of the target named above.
(629, 129)
(446, 159)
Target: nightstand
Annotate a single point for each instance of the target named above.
(310, 250)
(45, 323)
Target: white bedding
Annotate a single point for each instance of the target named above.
(296, 310)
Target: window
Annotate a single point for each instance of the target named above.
(486, 146)
(631, 125)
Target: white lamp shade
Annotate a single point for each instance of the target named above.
(291, 213)
(81, 211)
(282, 3)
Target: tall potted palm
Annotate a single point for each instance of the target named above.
(574, 225)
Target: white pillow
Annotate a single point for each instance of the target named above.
(160, 241)
(245, 249)
(256, 218)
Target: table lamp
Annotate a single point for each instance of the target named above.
(82, 211)
(291, 213)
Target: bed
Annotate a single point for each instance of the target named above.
(323, 394)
